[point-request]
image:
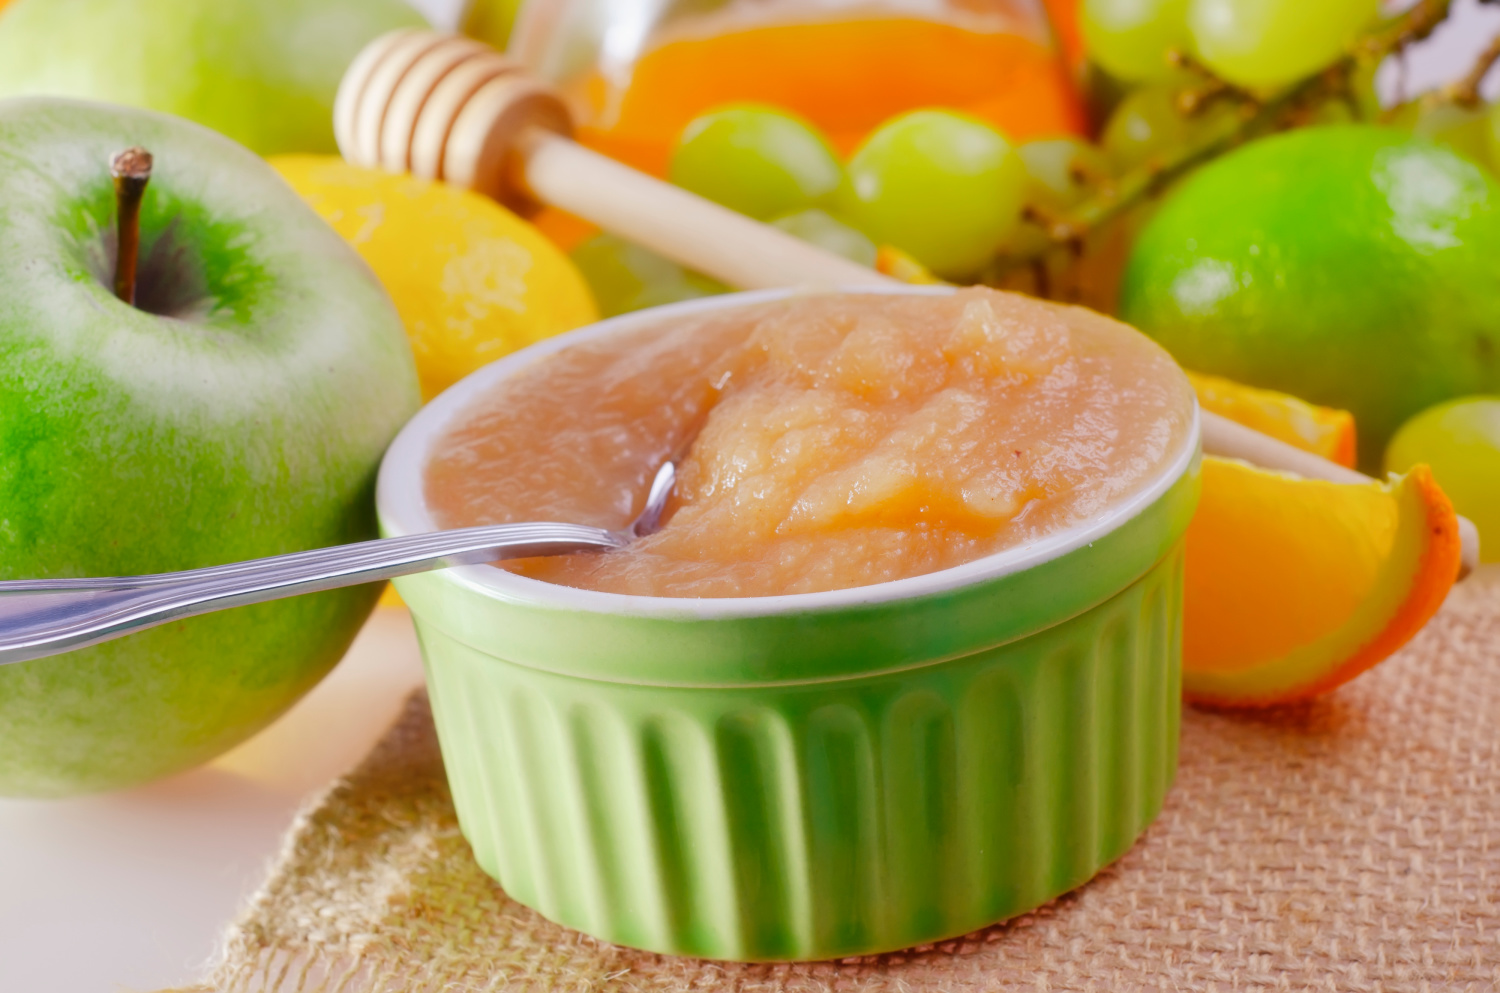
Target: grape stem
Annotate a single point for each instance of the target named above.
(1465, 92)
(1392, 37)
(1067, 229)
(1193, 100)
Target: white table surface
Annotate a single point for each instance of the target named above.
(130, 892)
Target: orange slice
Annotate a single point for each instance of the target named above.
(1323, 431)
(892, 261)
(1295, 585)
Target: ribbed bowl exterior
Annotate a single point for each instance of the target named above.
(818, 819)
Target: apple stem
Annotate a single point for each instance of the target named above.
(131, 170)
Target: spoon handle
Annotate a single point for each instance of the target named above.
(47, 617)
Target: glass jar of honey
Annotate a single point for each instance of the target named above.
(637, 71)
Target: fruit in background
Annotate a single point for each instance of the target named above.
(264, 72)
(1351, 266)
(472, 281)
(1044, 255)
(820, 228)
(240, 409)
(847, 72)
(1294, 586)
(1460, 440)
(626, 277)
(1324, 431)
(1269, 43)
(1062, 171)
(1150, 123)
(758, 160)
(490, 20)
(1146, 124)
(1131, 38)
(1463, 129)
(893, 262)
(944, 187)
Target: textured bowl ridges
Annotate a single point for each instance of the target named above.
(823, 819)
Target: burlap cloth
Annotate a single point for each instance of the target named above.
(1350, 844)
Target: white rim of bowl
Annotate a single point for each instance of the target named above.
(402, 502)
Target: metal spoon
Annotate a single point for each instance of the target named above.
(41, 617)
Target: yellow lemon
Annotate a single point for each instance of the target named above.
(472, 281)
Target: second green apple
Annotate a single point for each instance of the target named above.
(263, 72)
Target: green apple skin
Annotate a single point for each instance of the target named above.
(240, 410)
(263, 72)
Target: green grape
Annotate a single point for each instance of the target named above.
(946, 188)
(818, 227)
(1330, 112)
(1150, 123)
(1131, 38)
(1460, 440)
(625, 277)
(756, 159)
(1263, 44)
(1062, 171)
(1463, 129)
(1145, 125)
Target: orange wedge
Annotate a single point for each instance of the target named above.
(1323, 431)
(892, 261)
(1295, 585)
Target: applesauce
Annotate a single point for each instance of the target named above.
(834, 440)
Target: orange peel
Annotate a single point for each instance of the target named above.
(1323, 431)
(1295, 586)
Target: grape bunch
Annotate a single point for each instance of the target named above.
(956, 198)
(1256, 44)
(1175, 70)
(943, 187)
(946, 190)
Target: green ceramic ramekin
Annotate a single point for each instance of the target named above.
(809, 776)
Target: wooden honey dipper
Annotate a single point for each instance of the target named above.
(449, 108)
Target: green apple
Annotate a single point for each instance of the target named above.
(239, 409)
(263, 72)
